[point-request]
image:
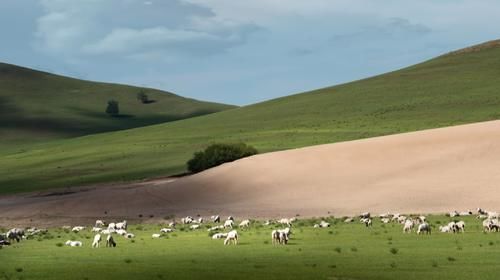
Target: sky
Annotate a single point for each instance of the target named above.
(237, 51)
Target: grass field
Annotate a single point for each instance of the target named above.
(343, 251)
(37, 106)
(449, 90)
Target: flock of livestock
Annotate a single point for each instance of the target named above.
(489, 219)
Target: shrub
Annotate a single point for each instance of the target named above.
(394, 251)
(217, 154)
(59, 244)
(113, 108)
(143, 97)
(338, 250)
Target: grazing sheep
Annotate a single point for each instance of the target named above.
(316, 226)
(219, 235)
(395, 217)
(187, 220)
(444, 229)
(97, 241)
(366, 221)
(365, 215)
(96, 229)
(216, 228)
(121, 232)
(99, 223)
(244, 223)
(275, 236)
(482, 217)
(401, 219)
(385, 220)
(122, 225)
(15, 233)
(110, 241)
(322, 224)
(231, 236)
(77, 229)
(228, 224)
(156, 235)
(408, 226)
(129, 235)
(491, 225)
(66, 227)
(385, 216)
(424, 228)
(460, 226)
(465, 213)
(285, 221)
(230, 218)
(349, 220)
(453, 214)
(166, 230)
(481, 211)
(268, 222)
(453, 226)
(421, 219)
(112, 226)
(74, 243)
(215, 218)
(281, 236)
(107, 231)
(194, 227)
(492, 215)
(172, 224)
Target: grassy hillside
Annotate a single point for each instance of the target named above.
(37, 106)
(457, 88)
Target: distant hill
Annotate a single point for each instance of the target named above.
(457, 88)
(37, 106)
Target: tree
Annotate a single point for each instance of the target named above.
(113, 108)
(217, 154)
(143, 97)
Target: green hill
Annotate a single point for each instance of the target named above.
(457, 88)
(37, 106)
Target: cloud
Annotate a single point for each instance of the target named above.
(134, 28)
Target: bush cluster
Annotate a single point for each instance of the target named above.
(217, 154)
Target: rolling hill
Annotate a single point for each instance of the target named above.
(37, 106)
(457, 88)
(430, 171)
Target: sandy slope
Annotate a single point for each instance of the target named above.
(428, 171)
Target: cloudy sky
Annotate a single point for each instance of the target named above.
(237, 51)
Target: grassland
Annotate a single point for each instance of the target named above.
(344, 251)
(449, 90)
(37, 106)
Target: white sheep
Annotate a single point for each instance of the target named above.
(96, 229)
(194, 227)
(216, 228)
(228, 224)
(166, 230)
(444, 229)
(215, 218)
(366, 221)
(74, 243)
(156, 235)
(77, 229)
(122, 225)
(385, 220)
(244, 223)
(187, 220)
(15, 233)
(172, 224)
(110, 241)
(97, 241)
(408, 226)
(460, 226)
(401, 219)
(349, 220)
(99, 223)
(219, 235)
(424, 227)
(121, 232)
(231, 236)
(365, 215)
(465, 213)
(285, 221)
(112, 226)
(129, 235)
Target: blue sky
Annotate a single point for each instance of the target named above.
(237, 51)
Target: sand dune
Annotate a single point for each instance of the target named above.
(427, 171)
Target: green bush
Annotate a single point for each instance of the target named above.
(113, 108)
(217, 154)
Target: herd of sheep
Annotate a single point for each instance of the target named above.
(489, 219)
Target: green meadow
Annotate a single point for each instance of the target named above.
(343, 251)
(449, 90)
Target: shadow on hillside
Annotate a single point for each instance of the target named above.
(12, 117)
